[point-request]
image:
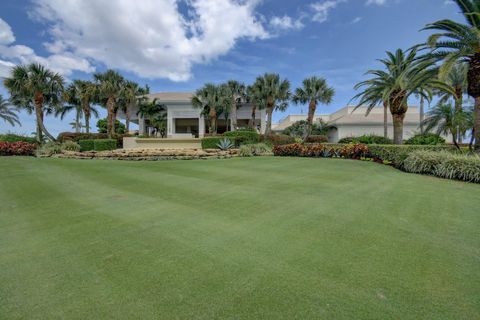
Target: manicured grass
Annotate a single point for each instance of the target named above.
(255, 238)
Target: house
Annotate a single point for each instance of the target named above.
(185, 121)
(348, 122)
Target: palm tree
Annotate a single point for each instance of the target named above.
(208, 99)
(132, 95)
(109, 89)
(35, 88)
(85, 93)
(403, 76)
(275, 92)
(153, 111)
(446, 119)
(7, 113)
(315, 90)
(62, 111)
(238, 94)
(460, 42)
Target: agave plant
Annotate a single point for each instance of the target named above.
(225, 144)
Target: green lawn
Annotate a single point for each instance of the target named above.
(253, 238)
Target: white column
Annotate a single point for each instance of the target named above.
(170, 124)
(263, 122)
(141, 125)
(201, 126)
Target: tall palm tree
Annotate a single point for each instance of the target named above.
(7, 113)
(446, 119)
(109, 89)
(238, 93)
(403, 75)
(460, 42)
(208, 99)
(83, 92)
(276, 93)
(314, 90)
(37, 89)
(132, 95)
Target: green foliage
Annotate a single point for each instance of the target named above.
(10, 137)
(277, 139)
(102, 126)
(258, 149)
(317, 139)
(444, 164)
(86, 145)
(425, 139)
(104, 144)
(48, 149)
(224, 144)
(243, 136)
(73, 136)
(212, 142)
(367, 139)
(297, 129)
(70, 146)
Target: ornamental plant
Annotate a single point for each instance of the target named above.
(19, 148)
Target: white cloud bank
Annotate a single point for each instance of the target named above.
(153, 40)
(322, 9)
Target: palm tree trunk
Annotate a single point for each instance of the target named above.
(398, 128)
(422, 113)
(311, 112)
(233, 115)
(385, 119)
(476, 123)
(87, 123)
(39, 114)
(268, 129)
(472, 139)
(458, 108)
(251, 122)
(111, 117)
(77, 121)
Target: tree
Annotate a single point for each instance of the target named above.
(109, 89)
(154, 112)
(238, 93)
(131, 97)
(102, 126)
(456, 42)
(446, 119)
(403, 75)
(255, 98)
(298, 128)
(35, 88)
(209, 100)
(314, 90)
(82, 93)
(7, 113)
(275, 92)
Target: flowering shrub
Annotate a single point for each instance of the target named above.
(354, 151)
(289, 150)
(18, 148)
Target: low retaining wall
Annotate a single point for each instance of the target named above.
(161, 143)
(151, 154)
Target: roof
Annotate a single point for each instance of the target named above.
(172, 96)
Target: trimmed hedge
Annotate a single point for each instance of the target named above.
(212, 142)
(277, 139)
(86, 145)
(349, 151)
(425, 139)
(104, 144)
(243, 136)
(10, 137)
(74, 136)
(367, 139)
(445, 165)
(317, 139)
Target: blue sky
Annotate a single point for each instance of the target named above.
(180, 45)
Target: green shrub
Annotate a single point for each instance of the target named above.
(277, 139)
(367, 139)
(86, 145)
(77, 136)
(317, 139)
(212, 142)
(102, 126)
(243, 136)
(258, 149)
(10, 137)
(444, 164)
(425, 139)
(70, 146)
(104, 144)
(48, 149)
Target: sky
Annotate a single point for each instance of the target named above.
(178, 45)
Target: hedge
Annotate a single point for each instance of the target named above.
(425, 139)
(277, 139)
(10, 137)
(104, 144)
(243, 136)
(349, 151)
(317, 139)
(86, 145)
(19, 148)
(211, 142)
(77, 136)
(367, 139)
(445, 165)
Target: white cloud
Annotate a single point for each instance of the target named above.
(286, 23)
(376, 2)
(155, 39)
(5, 68)
(322, 9)
(356, 20)
(6, 34)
